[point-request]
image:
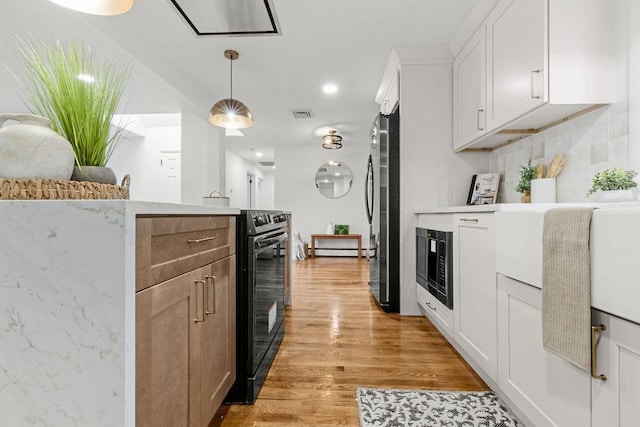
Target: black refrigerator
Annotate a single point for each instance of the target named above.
(382, 199)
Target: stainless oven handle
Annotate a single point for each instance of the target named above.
(265, 242)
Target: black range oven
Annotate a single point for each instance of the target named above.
(434, 263)
(261, 238)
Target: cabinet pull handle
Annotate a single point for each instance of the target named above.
(211, 294)
(532, 88)
(469, 219)
(197, 319)
(430, 306)
(594, 353)
(204, 239)
(478, 119)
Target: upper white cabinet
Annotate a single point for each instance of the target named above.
(392, 95)
(544, 61)
(469, 94)
(516, 50)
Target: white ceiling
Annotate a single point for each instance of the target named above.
(346, 42)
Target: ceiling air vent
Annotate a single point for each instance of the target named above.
(302, 114)
(267, 164)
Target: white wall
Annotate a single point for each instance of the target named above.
(139, 156)
(295, 191)
(596, 141)
(432, 175)
(202, 158)
(237, 169)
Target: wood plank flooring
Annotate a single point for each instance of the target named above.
(337, 339)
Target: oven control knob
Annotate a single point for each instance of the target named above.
(258, 221)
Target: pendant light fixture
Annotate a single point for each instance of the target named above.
(332, 141)
(230, 113)
(97, 7)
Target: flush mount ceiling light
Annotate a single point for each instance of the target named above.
(97, 7)
(332, 141)
(231, 113)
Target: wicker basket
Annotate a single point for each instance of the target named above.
(49, 189)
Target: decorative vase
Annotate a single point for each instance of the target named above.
(31, 150)
(526, 197)
(99, 174)
(615, 196)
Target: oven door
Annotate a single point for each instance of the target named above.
(266, 278)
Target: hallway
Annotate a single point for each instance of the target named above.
(336, 340)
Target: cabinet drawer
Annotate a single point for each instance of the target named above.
(435, 311)
(169, 246)
(483, 220)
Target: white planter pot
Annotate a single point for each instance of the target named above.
(615, 196)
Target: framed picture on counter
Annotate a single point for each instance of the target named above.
(484, 189)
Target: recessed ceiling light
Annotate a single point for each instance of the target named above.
(86, 78)
(259, 154)
(337, 173)
(273, 167)
(330, 88)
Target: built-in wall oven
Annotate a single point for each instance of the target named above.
(434, 263)
(261, 238)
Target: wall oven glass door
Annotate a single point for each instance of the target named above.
(266, 271)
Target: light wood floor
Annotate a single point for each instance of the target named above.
(336, 340)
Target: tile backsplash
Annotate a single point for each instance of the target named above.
(591, 143)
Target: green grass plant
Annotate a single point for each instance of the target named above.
(78, 92)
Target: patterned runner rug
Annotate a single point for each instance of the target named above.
(416, 408)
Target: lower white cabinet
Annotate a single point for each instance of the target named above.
(547, 389)
(474, 289)
(616, 401)
(435, 311)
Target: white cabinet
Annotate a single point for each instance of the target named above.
(469, 109)
(546, 388)
(516, 39)
(435, 311)
(391, 96)
(616, 401)
(474, 289)
(545, 60)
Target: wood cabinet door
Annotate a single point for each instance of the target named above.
(616, 401)
(165, 335)
(474, 296)
(517, 60)
(469, 91)
(215, 355)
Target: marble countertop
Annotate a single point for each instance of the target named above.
(135, 207)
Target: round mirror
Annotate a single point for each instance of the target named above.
(333, 179)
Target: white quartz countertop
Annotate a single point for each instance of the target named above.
(134, 207)
(526, 207)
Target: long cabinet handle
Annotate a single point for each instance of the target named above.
(430, 306)
(211, 295)
(594, 354)
(204, 239)
(469, 219)
(197, 282)
(533, 95)
(478, 119)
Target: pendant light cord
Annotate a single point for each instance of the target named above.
(231, 76)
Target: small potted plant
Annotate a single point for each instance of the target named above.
(79, 94)
(527, 173)
(613, 185)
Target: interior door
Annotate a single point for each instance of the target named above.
(170, 173)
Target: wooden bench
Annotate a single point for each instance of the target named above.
(315, 237)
